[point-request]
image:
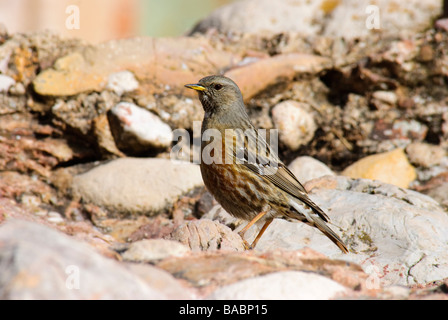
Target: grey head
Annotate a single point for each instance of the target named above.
(219, 94)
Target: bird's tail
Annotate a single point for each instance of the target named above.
(311, 216)
(326, 230)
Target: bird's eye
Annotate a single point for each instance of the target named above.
(217, 86)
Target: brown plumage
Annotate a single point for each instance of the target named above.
(242, 171)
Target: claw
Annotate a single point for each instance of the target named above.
(247, 246)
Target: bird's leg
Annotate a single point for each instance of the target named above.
(250, 224)
(263, 229)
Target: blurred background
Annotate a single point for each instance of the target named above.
(101, 20)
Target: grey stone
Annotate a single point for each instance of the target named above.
(295, 123)
(286, 285)
(346, 18)
(37, 262)
(307, 168)
(137, 185)
(161, 280)
(397, 235)
(424, 154)
(137, 130)
(361, 18)
(6, 82)
(121, 82)
(256, 16)
(152, 250)
(207, 235)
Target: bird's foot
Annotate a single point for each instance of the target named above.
(246, 244)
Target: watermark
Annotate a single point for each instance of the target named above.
(72, 282)
(373, 18)
(258, 148)
(73, 20)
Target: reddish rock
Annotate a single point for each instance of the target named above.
(159, 64)
(254, 77)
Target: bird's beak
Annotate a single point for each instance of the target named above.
(196, 87)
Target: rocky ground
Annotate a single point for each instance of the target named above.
(92, 205)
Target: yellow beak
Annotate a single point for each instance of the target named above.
(196, 87)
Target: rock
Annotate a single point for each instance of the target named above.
(388, 97)
(103, 136)
(286, 285)
(217, 269)
(17, 89)
(257, 16)
(80, 112)
(440, 194)
(398, 236)
(390, 167)
(137, 130)
(155, 228)
(217, 213)
(37, 262)
(179, 112)
(22, 55)
(384, 99)
(295, 123)
(25, 146)
(205, 203)
(353, 19)
(207, 235)
(441, 24)
(159, 65)
(137, 186)
(16, 185)
(307, 168)
(153, 250)
(121, 82)
(6, 82)
(346, 18)
(409, 129)
(395, 292)
(161, 281)
(425, 155)
(253, 78)
(40, 214)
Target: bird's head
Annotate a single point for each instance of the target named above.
(218, 93)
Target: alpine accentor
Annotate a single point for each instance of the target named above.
(249, 184)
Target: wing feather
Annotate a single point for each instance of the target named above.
(267, 165)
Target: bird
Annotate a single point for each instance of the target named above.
(243, 172)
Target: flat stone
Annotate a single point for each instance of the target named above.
(218, 268)
(268, 71)
(398, 236)
(286, 285)
(159, 64)
(151, 250)
(137, 185)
